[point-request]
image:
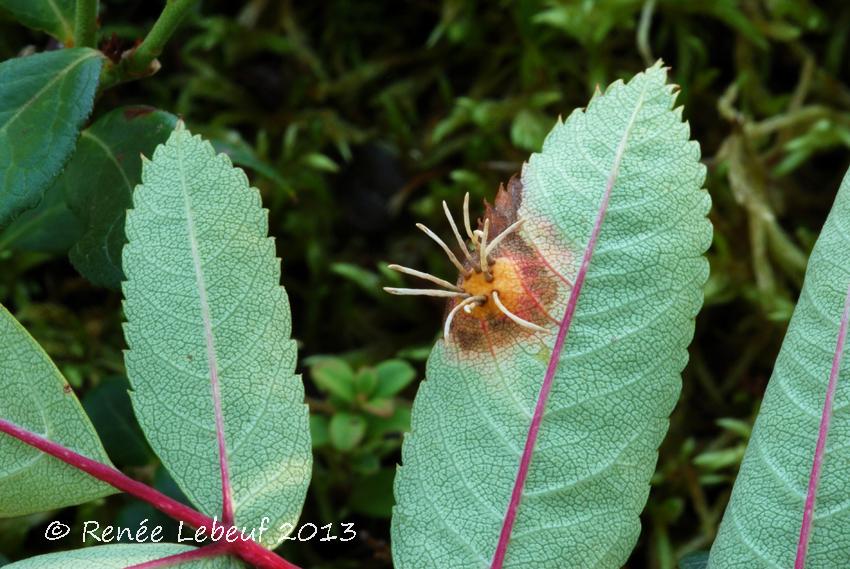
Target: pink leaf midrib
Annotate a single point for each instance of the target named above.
(227, 513)
(823, 431)
(554, 360)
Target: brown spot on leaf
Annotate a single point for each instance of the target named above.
(137, 111)
(504, 210)
(526, 285)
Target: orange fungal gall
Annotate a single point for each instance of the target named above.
(506, 281)
(501, 283)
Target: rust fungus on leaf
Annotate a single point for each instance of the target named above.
(504, 288)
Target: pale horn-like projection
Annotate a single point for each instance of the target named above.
(486, 283)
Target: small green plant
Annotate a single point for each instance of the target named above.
(359, 424)
(362, 408)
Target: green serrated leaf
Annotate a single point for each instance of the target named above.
(618, 376)
(99, 182)
(35, 396)
(56, 17)
(761, 525)
(44, 100)
(119, 556)
(205, 307)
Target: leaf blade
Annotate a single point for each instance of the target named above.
(119, 556)
(99, 182)
(823, 432)
(44, 100)
(762, 523)
(248, 322)
(82, 212)
(478, 403)
(36, 397)
(48, 228)
(56, 17)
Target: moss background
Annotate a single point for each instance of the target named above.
(357, 118)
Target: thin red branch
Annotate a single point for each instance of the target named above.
(820, 448)
(249, 550)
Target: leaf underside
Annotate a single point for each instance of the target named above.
(761, 526)
(35, 396)
(44, 99)
(119, 556)
(618, 376)
(197, 247)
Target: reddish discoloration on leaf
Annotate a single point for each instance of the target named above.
(139, 111)
(504, 210)
(527, 286)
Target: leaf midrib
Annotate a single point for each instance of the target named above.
(110, 155)
(209, 339)
(40, 92)
(63, 21)
(554, 360)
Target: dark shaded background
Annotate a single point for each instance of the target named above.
(358, 117)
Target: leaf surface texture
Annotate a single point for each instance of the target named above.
(44, 100)
(35, 396)
(119, 556)
(618, 376)
(761, 526)
(203, 294)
